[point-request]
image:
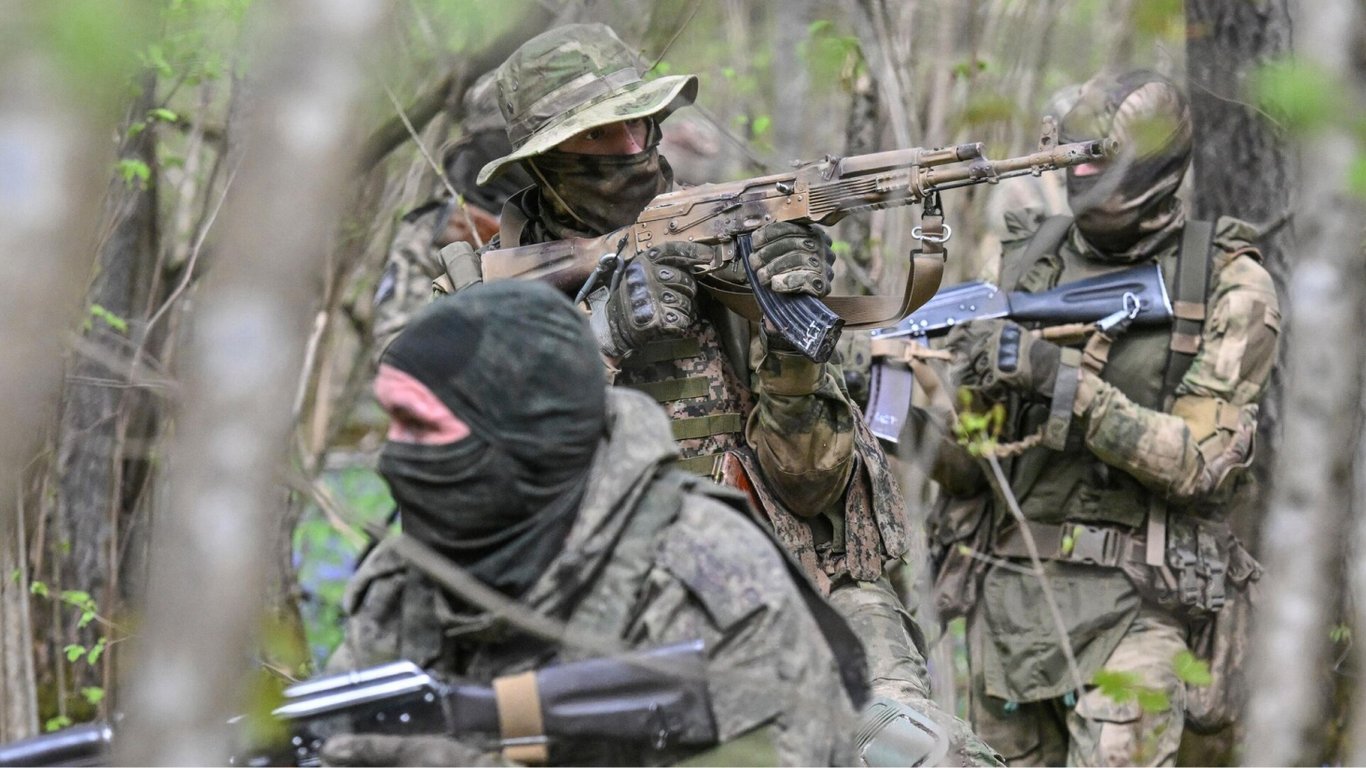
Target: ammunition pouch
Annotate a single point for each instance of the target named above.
(1221, 641)
(1193, 580)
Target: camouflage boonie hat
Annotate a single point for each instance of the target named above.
(573, 78)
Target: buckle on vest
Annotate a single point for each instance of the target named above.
(1093, 545)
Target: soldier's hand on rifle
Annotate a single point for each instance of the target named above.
(653, 298)
(385, 749)
(793, 258)
(993, 356)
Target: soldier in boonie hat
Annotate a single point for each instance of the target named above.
(572, 79)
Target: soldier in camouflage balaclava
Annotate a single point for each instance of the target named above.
(1123, 451)
(1126, 206)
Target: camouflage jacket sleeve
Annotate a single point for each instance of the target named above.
(802, 429)
(406, 283)
(1186, 454)
(771, 675)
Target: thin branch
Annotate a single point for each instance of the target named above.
(697, 5)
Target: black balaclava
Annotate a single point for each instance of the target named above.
(464, 159)
(590, 195)
(517, 363)
(1130, 209)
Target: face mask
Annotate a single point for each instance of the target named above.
(467, 501)
(596, 194)
(1127, 217)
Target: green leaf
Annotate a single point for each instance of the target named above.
(74, 651)
(1340, 633)
(15, 575)
(93, 657)
(1191, 669)
(134, 172)
(761, 125)
(1304, 97)
(163, 114)
(1153, 700)
(56, 723)
(86, 618)
(38, 588)
(1116, 685)
(93, 694)
(113, 321)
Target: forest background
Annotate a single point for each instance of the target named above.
(196, 198)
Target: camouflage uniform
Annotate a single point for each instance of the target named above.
(1145, 458)
(747, 414)
(414, 258)
(654, 557)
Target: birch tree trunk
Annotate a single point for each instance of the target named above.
(204, 599)
(47, 145)
(1311, 505)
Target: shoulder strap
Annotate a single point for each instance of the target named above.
(1192, 287)
(1042, 243)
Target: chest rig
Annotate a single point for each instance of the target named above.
(694, 381)
(1080, 509)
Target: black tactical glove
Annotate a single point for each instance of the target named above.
(652, 299)
(385, 749)
(793, 258)
(992, 356)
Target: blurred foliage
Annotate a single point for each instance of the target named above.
(326, 557)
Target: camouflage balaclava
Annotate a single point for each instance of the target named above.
(516, 362)
(569, 80)
(607, 191)
(1130, 209)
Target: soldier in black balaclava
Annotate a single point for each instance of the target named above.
(510, 458)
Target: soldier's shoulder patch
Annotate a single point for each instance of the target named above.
(725, 562)
(387, 283)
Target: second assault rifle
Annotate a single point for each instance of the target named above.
(656, 698)
(821, 193)
(1136, 296)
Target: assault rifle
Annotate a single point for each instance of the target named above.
(656, 698)
(816, 193)
(1136, 296)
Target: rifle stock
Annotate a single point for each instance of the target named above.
(815, 193)
(1137, 295)
(657, 698)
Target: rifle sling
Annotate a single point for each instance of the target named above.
(1192, 284)
(858, 312)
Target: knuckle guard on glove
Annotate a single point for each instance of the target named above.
(654, 298)
(992, 356)
(793, 258)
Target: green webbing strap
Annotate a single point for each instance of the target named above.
(666, 349)
(702, 426)
(1192, 287)
(674, 389)
(704, 465)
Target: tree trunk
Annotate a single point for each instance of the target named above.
(1311, 504)
(83, 530)
(49, 139)
(1242, 166)
(204, 600)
